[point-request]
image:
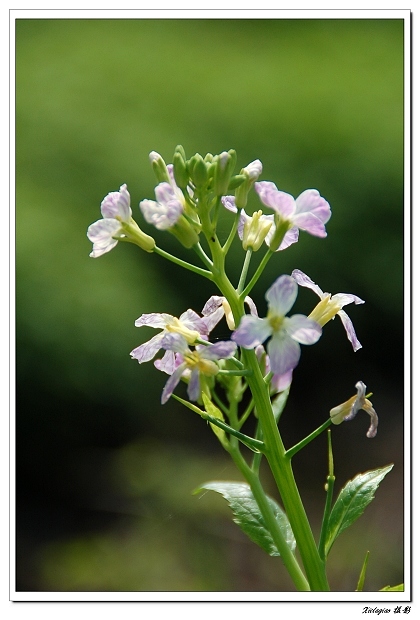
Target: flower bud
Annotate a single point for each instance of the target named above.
(255, 231)
(199, 171)
(159, 167)
(251, 172)
(225, 164)
(180, 171)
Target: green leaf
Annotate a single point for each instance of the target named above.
(352, 501)
(362, 576)
(399, 588)
(248, 515)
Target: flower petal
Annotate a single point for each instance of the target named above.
(194, 321)
(117, 204)
(229, 203)
(343, 299)
(162, 216)
(311, 224)
(279, 383)
(220, 350)
(310, 201)
(348, 326)
(101, 234)
(252, 331)
(167, 363)
(154, 319)
(302, 329)
(284, 353)
(174, 342)
(281, 202)
(145, 352)
(303, 280)
(282, 295)
(193, 389)
(171, 383)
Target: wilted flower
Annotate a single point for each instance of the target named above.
(347, 411)
(286, 332)
(202, 361)
(217, 306)
(329, 306)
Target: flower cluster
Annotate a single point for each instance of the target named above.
(187, 200)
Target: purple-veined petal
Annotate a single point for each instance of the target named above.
(154, 319)
(311, 201)
(348, 326)
(172, 382)
(284, 353)
(117, 204)
(193, 321)
(165, 193)
(101, 234)
(292, 236)
(310, 223)
(167, 363)
(229, 203)
(254, 169)
(252, 331)
(302, 329)
(359, 400)
(193, 389)
(343, 299)
(281, 202)
(373, 428)
(212, 304)
(243, 219)
(174, 342)
(282, 295)
(162, 216)
(102, 231)
(218, 351)
(303, 280)
(212, 319)
(279, 383)
(145, 352)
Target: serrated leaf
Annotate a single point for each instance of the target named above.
(352, 501)
(399, 588)
(248, 515)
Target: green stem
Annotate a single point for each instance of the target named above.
(257, 274)
(270, 521)
(182, 263)
(244, 270)
(328, 500)
(276, 454)
(292, 451)
(201, 253)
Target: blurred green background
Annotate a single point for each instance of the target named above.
(104, 472)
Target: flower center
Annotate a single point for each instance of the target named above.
(275, 321)
(325, 310)
(176, 326)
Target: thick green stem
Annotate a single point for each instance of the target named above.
(260, 497)
(276, 455)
